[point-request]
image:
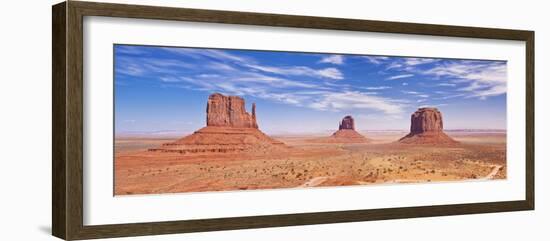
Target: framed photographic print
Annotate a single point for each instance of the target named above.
(171, 120)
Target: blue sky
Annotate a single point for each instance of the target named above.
(164, 89)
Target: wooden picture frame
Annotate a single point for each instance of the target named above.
(67, 124)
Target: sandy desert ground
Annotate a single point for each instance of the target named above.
(479, 156)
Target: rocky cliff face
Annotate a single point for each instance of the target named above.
(427, 128)
(229, 111)
(347, 123)
(426, 120)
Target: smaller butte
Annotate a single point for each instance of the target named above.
(427, 128)
(346, 133)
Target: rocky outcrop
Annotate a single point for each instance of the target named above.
(426, 120)
(346, 133)
(229, 129)
(229, 111)
(347, 123)
(427, 128)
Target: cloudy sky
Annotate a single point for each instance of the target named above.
(164, 89)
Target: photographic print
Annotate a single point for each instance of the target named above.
(202, 119)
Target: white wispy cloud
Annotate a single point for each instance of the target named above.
(446, 84)
(322, 100)
(170, 79)
(130, 69)
(167, 63)
(433, 105)
(401, 76)
(446, 97)
(394, 65)
(331, 73)
(415, 93)
(315, 98)
(232, 74)
(333, 59)
(375, 59)
(356, 100)
(140, 66)
(408, 64)
(377, 87)
(219, 55)
(224, 59)
(269, 80)
(492, 91)
(410, 92)
(220, 66)
(483, 78)
(419, 61)
(240, 79)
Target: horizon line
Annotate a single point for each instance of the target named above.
(290, 132)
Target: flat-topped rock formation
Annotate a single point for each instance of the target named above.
(229, 111)
(229, 129)
(427, 128)
(347, 123)
(346, 133)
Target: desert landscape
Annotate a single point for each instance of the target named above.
(232, 153)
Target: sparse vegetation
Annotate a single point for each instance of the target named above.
(317, 165)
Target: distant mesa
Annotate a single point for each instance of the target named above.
(427, 128)
(229, 129)
(347, 123)
(346, 133)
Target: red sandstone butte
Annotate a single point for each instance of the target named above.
(229, 128)
(427, 128)
(229, 111)
(347, 123)
(346, 133)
